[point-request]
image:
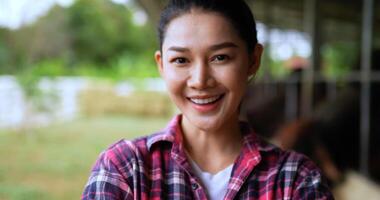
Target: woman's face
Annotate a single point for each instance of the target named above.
(205, 65)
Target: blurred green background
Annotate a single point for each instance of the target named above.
(54, 162)
(96, 38)
(106, 44)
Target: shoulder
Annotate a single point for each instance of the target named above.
(120, 157)
(126, 151)
(308, 182)
(112, 175)
(295, 173)
(136, 151)
(301, 168)
(286, 160)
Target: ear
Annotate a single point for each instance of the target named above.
(158, 58)
(255, 59)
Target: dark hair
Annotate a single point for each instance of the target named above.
(236, 11)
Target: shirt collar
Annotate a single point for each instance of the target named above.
(168, 134)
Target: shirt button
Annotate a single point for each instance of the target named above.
(194, 186)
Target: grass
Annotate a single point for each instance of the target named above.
(55, 162)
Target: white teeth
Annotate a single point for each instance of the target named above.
(205, 101)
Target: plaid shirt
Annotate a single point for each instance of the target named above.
(156, 167)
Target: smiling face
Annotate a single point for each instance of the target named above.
(205, 65)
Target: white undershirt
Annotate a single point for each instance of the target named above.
(216, 184)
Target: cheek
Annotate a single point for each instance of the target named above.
(174, 81)
(236, 78)
(235, 82)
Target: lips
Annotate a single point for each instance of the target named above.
(205, 100)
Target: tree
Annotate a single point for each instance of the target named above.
(102, 31)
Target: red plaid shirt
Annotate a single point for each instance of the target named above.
(156, 167)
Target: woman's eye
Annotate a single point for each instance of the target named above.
(220, 58)
(180, 60)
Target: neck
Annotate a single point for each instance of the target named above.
(215, 149)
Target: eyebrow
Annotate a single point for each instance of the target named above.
(179, 49)
(212, 48)
(223, 45)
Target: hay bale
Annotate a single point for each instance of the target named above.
(105, 101)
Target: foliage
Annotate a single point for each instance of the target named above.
(36, 100)
(339, 58)
(102, 31)
(50, 68)
(28, 81)
(275, 68)
(278, 70)
(91, 38)
(138, 67)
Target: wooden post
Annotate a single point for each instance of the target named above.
(311, 24)
(366, 52)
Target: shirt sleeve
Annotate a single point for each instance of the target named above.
(106, 182)
(310, 184)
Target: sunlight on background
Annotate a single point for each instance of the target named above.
(16, 13)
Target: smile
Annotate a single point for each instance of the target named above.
(205, 101)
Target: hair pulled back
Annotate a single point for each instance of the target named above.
(236, 11)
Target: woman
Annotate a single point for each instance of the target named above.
(208, 52)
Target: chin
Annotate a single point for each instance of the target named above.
(206, 123)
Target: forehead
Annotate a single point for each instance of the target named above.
(200, 29)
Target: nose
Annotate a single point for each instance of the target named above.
(201, 77)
